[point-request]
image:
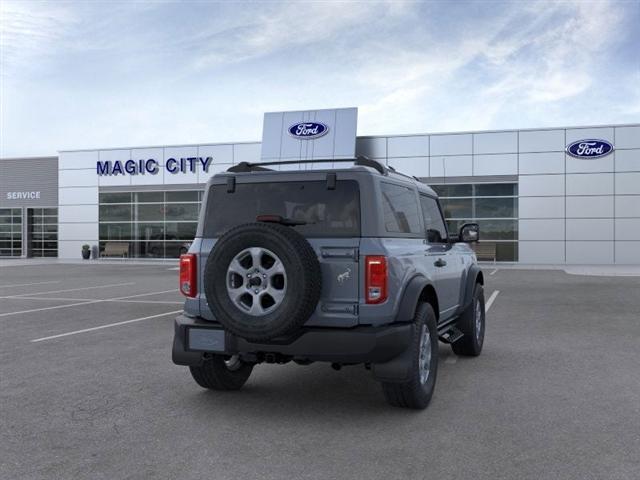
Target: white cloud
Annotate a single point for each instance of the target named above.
(296, 27)
(156, 72)
(29, 30)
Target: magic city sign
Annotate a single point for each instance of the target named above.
(151, 166)
(589, 148)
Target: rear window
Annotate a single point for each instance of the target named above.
(328, 213)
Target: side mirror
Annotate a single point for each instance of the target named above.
(469, 232)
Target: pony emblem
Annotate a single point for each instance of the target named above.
(344, 276)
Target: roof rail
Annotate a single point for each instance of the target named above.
(393, 170)
(367, 162)
(244, 167)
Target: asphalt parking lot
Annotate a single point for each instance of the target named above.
(88, 390)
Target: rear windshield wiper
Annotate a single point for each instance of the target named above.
(280, 219)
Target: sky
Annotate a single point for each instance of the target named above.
(96, 74)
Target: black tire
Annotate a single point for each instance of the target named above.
(215, 374)
(470, 345)
(414, 393)
(303, 281)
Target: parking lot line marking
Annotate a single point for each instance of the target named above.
(67, 299)
(451, 360)
(147, 301)
(109, 325)
(493, 273)
(143, 294)
(72, 289)
(493, 296)
(89, 302)
(28, 284)
(33, 310)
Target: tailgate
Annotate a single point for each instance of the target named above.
(338, 305)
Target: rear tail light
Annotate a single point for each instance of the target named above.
(376, 278)
(188, 271)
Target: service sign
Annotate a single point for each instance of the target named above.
(23, 195)
(308, 130)
(589, 149)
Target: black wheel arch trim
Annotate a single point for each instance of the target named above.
(472, 276)
(411, 297)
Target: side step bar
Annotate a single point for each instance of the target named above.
(452, 335)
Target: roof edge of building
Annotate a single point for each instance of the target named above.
(462, 132)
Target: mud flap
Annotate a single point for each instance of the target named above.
(397, 369)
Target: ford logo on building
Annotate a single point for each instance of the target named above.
(308, 130)
(590, 148)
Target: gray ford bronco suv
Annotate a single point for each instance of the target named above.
(343, 265)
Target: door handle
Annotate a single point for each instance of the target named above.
(440, 263)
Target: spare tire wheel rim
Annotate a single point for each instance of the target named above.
(256, 281)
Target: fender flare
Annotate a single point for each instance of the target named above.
(410, 297)
(474, 275)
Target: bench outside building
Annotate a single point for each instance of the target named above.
(485, 251)
(115, 249)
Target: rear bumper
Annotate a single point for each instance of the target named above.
(340, 345)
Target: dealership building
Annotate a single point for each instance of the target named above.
(567, 195)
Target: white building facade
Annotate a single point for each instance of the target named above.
(535, 203)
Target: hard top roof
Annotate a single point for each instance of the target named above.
(361, 163)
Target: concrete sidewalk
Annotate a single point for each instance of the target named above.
(20, 262)
(592, 270)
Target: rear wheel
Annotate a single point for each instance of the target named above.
(418, 390)
(472, 324)
(222, 372)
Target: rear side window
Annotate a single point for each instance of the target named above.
(436, 231)
(400, 208)
(327, 213)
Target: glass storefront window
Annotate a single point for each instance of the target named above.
(495, 189)
(115, 231)
(188, 196)
(181, 231)
(149, 213)
(182, 212)
(42, 228)
(115, 213)
(115, 197)
(463, 190)
(457, 207)
(154, 224)
(494, 206)
(150, 231)
(10, 232)
(498, 229)
(149, 197)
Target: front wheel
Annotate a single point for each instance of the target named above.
(418, 390)
(472, 325)
(222, 373)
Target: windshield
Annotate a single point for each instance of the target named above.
(321, 212)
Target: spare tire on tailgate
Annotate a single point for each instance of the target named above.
(262, 280)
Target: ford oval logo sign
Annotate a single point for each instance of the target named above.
(308, 130)
(590, 148)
